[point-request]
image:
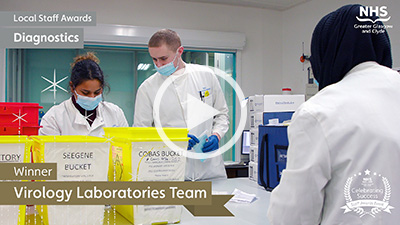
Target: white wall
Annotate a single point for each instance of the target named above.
(299, 23)
(270, 59)
(261, 58)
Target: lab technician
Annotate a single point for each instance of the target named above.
(344, 143)
(85, 113)
(189, 82)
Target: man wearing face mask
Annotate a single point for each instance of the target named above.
(190, 84)
(85, 113)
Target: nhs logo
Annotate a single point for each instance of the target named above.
(369, 11)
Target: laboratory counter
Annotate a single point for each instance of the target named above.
(254, 213)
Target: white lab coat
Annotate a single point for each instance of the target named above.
(173, 112)
(345, 130)
(65, 119)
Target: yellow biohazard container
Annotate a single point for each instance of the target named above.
(15, 149)
(78, 158)
(140, 154)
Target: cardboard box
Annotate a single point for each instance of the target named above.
(256, 103)
(254, 136)
(253, 171)
(256, 119)
(254, 153)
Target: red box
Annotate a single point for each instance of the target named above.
(17, 114)
(19, 130)
(18, 118)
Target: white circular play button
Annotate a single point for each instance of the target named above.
(198, 112)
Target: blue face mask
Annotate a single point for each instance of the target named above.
(168, 68)
(316, 82)
(88, 103)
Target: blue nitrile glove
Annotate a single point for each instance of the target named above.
(211, 144)
(198, 147)
(192, 141)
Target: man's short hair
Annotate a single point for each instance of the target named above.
(165, 36)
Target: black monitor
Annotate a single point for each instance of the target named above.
(245, 142)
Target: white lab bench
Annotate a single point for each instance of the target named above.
(254, 213)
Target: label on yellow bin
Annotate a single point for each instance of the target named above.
(78, 158)
(79, 161)
(145, 157)
(154, 161)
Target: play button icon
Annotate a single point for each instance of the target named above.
(198, 112)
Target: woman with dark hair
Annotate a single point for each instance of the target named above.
(344, 143)
(85, 113)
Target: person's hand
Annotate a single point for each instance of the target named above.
(192, 141)
(211, 144)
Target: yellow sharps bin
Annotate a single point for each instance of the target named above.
(140, 154)
(78, 158)
(14, 149)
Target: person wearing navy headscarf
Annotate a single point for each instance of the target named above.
(344, 142)
(337, 46)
